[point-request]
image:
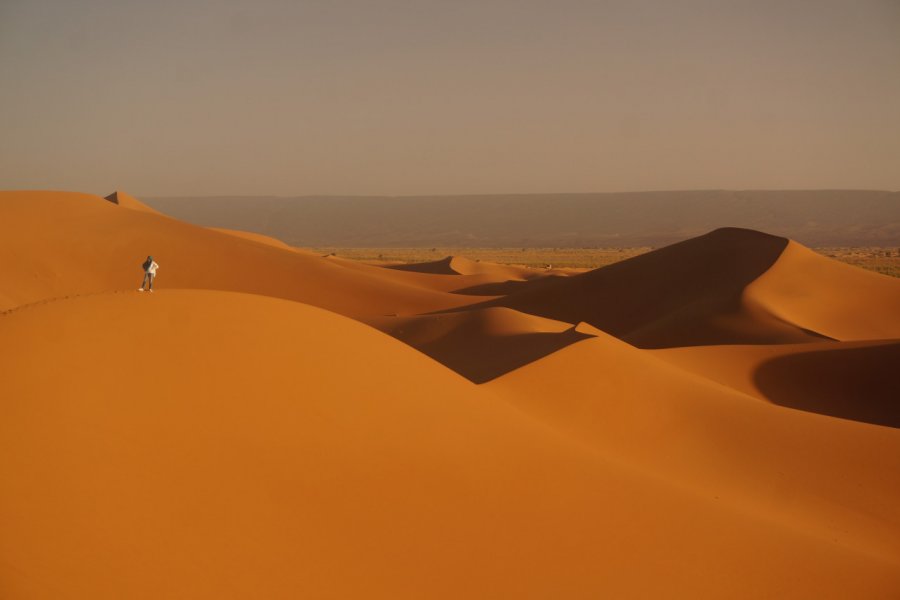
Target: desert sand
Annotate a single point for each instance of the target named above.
(718, 418)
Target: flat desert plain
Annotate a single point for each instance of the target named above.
(718, 418)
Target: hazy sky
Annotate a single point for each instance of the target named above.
(453, 96)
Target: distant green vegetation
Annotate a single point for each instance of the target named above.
(881, 260)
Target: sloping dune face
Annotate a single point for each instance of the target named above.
(458, 265)
(481, 344)
(816, 473)
(58, 244)
(712, 290)
(851, 380)
(835, 299)
(234, 446)
(270, 423)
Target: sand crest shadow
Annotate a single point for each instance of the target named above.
(851, 383)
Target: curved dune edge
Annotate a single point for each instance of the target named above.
(481, 344)
(448, 283)
(240, 458)
(459, 265)
(687, 294)
(835, 299)
(849, 380)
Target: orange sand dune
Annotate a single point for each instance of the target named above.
(481, 344)
(202, 443)
(458, 265)
(689, 293)
(488, 282)
(451, 283)
(828, 296)
(839, 478)
(210, 445)
(513, 286)
(853, 380)
(60, 244)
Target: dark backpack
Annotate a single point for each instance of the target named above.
(146, 264)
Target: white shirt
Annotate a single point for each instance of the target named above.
(152, 268)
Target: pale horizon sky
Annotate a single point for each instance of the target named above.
(400, 97)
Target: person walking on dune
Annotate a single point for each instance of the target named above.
(150, 268)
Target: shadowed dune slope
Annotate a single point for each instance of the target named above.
(481, 344)
(458, 265)
(55, 244)
(451, 283)
(252, 447)
(685, 294)
(857, 383)
(717, 289)
(513, 286)
(833, 477)
(852, 380)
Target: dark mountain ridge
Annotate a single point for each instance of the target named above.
(812, 217)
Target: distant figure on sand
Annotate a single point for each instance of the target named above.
(150, 268)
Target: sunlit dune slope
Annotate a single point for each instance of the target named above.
(835, 477)
(215, 445)
(59, 244)
(852, 380)
(483, 343)
(727, 287)
(828, 296)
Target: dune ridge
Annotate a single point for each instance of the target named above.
(481, 344)
(67, 259)
(720, 288)
(458, 265)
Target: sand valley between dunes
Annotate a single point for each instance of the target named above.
(718, 418)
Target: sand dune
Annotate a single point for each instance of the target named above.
(694, 293)
(481, 344)
(820, 474)
(852, 380)
(827, 296)
(488, 282)
(249, 463)
(247, 430)
(60, 244)
(458, 265)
